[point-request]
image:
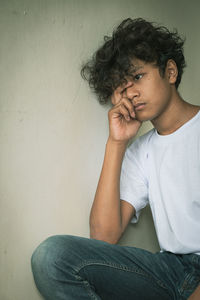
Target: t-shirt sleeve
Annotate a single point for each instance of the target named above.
(133, 183)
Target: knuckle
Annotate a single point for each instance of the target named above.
(110, 111)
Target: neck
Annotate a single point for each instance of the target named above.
(175, 115)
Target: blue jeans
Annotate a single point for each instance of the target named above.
(75, 268)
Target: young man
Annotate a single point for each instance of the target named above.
(139, 68)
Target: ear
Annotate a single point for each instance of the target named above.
(171, 71)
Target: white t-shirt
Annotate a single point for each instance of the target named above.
(164, 171)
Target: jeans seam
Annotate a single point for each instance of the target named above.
(123, 268)
(85, 283)
(88, 289)
(188, 283)
(196, 259)
(108, 264)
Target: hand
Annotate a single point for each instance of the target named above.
(122, 122)
(196, 294)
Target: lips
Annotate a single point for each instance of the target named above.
(139, 106)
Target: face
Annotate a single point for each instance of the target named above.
(150, 93)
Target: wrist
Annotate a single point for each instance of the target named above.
(117, 143)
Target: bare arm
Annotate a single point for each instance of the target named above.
(110, 216)
(106, 222)
(196, 294)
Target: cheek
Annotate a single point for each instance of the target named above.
(161, 92)
(158, 100)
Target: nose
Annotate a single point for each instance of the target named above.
(132, 92)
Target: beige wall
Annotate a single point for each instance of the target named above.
(52, 129)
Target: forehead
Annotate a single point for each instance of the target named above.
(138, 64)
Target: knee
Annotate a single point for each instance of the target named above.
(43, 256)
(47, 255)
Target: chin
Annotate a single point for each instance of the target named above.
(144, 116)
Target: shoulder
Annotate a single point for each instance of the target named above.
(134, 162)
(138, 150)
(142, 141)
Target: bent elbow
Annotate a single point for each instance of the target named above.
(103, 235)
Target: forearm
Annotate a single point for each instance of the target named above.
(196, 294)
(108, 218)
(105, 216)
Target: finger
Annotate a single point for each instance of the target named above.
(117, 94)
(116, 97)
(125, 108)
(124, 112)
(125, 86)
(129, 106)
(119, 111)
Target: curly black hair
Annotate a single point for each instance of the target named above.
(111, 65)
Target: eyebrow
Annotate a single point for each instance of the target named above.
(136, 68)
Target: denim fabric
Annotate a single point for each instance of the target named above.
(73, 268)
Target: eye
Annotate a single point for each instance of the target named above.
(138, 76)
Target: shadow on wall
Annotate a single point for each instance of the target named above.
(142, 233)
